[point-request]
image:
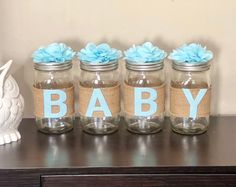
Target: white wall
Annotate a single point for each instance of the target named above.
(27, 24)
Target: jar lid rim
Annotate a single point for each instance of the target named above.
(188, 66)
(111, 65)
(52, 66)
(144, 63)
(148, 66)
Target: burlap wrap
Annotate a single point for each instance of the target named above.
(180, 107)
(39, 101)
(129, 102)
(111, 95)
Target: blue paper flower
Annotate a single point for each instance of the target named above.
(192, 53)
(55, 52)
(100, 54)
(145, 53)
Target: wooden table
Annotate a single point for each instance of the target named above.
(121, 159)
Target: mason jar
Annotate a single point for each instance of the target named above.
(144, 97)
(99, 97)
(190, 92)
(53, 91)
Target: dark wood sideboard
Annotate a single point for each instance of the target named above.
(121, 159)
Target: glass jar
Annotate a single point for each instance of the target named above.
(144, 97)
(190, 97)
(99, 97)
(53, 97)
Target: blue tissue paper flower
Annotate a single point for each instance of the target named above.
(55, 52)
(192, 53)
(100, 54)
(145, 53)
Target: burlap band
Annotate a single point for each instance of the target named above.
(111, 95)
(129, 99)
(179, 105)
(39, 101)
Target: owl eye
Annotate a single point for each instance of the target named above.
(8, 85)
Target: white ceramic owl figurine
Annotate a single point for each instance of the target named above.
(11, 106)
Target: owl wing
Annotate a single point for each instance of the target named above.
(19, 111)
(5, 113)
(11, 105)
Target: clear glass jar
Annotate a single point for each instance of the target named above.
(144, 97)
(190, 98)
(99, 97)
(54, 97)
